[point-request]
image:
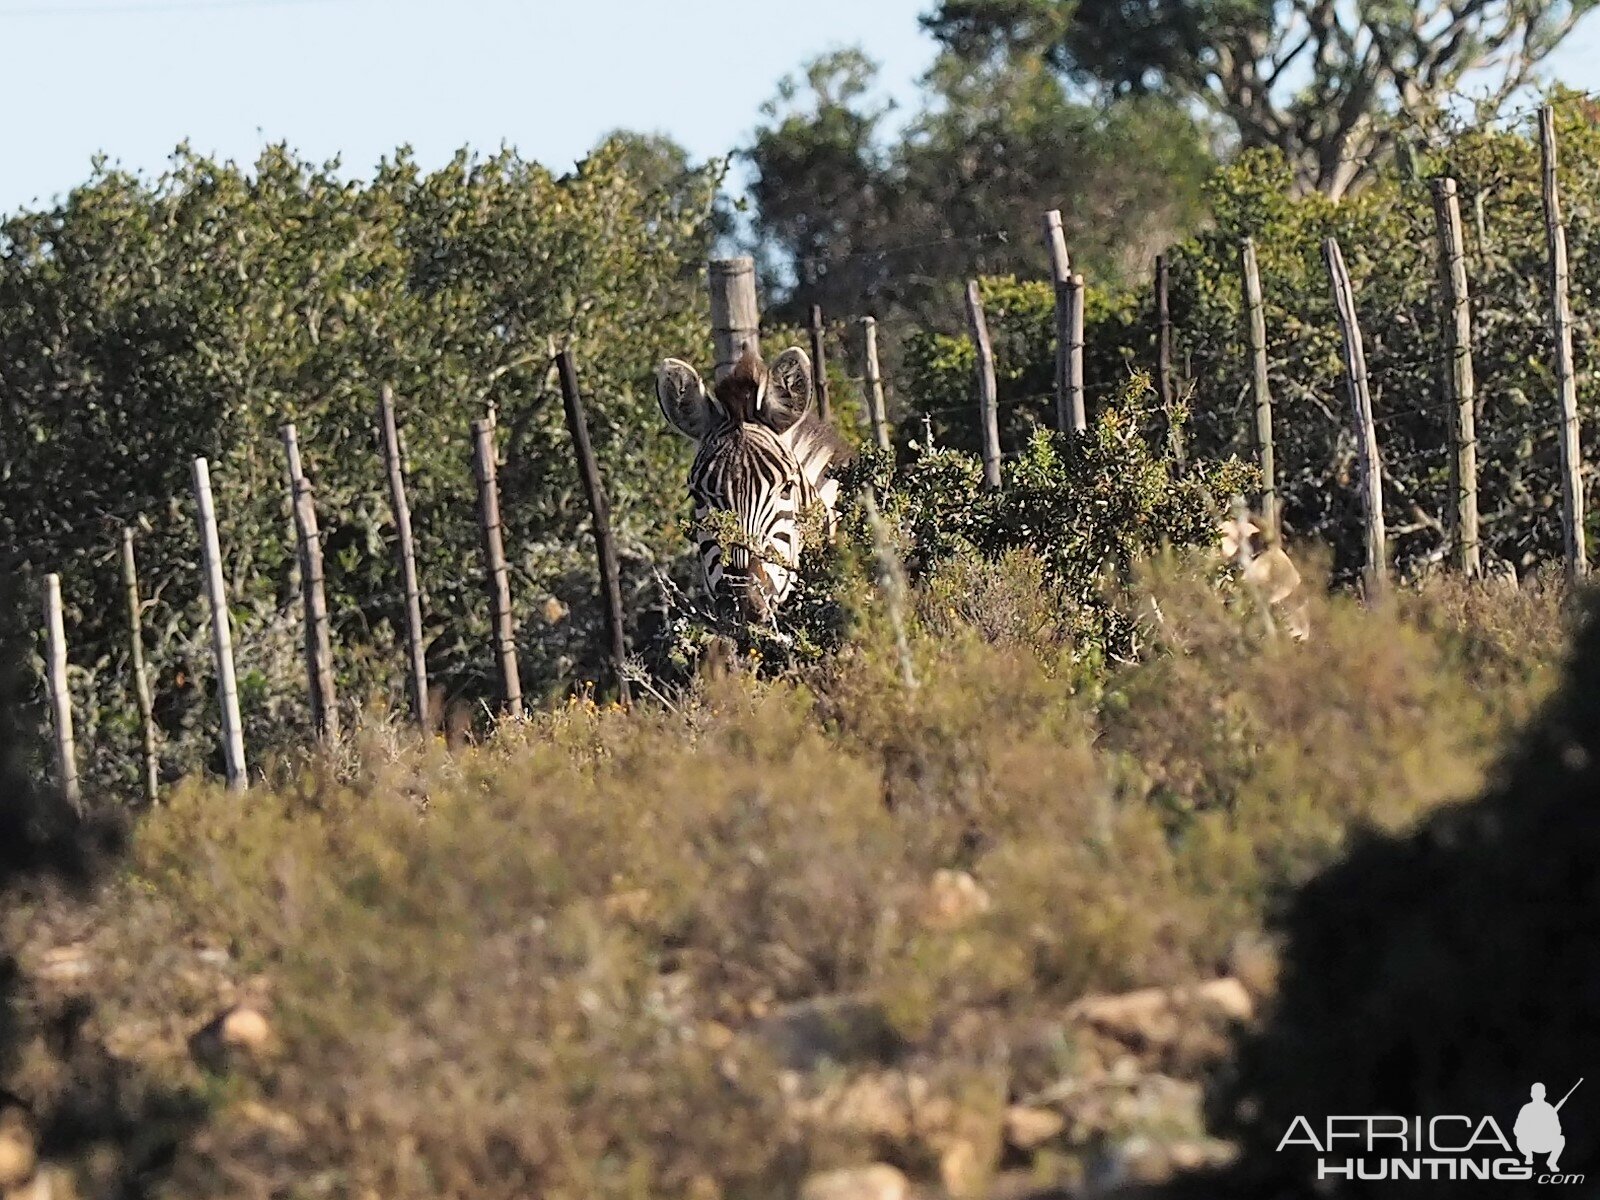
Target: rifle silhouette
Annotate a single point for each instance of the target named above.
(1568, 1096)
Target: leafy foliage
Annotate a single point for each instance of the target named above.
(1388, 235)
(145, 322)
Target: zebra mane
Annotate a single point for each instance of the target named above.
(814, 442)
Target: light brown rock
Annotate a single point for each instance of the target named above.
(952, 899)
(1028, 1128)
(245, 1029)
(876, 1182)
(18, 1156)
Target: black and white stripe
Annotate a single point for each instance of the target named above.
(764, 457)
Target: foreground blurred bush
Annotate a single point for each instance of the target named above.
(576, 961)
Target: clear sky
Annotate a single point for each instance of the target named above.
(357, 78)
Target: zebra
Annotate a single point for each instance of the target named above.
(764, 458)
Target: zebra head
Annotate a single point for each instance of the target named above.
(762, 460)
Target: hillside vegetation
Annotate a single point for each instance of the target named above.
(713, 948)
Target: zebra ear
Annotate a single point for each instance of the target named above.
(683, 399)
(787, 396)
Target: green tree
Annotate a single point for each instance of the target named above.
(1313, 79)
(145, 322)
(855, 215)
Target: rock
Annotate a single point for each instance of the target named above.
(1158, 1017)
(240, 1032)
(19, 1157)
(840, 1029)
(877, 1105)
(1143, 1017)
(952, 899)
(1225, 997)
(1027, 1128)
(65, 964)
(877, 1182)
(963, 1167)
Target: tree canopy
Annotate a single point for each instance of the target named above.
(1314, 79)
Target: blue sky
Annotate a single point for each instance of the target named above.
(356, 78)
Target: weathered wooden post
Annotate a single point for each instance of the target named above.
(600, 511)
(60, 694)
(1061, 277)
(494, 557)
(1164, 387)
(1260, 387)
(1460, 387)
(875, 405)
(1077, 410)
(1376, 573)
(313, 595)
(988, 399)
(819, 362)
(735, 315)
(393, 459)
(141, 681)
(221, 630)
(1566, 376)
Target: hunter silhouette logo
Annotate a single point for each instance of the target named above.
(1449, 1146)
(1538, 1127)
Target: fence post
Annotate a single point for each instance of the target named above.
(819, 363)
(1061, 277)
(60, 693)
(389, 436)
(1260, 386)
(1460, 387)
(494, 557)
(1376, 573)
(221, 632)
(735, 315)
(141, 681)
(1077, 411)
(988, 416)
(875, 405)
(313, 595)
(1566, 377)
(1164, 359)
(600, 509)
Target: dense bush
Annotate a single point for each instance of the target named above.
(1387, 233)
(1433, 970)
(143, 322)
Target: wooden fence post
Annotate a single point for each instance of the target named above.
(1566, 376)
(313, 595)
(1164, 389)
(1061, 277)
(735, 315)
(1376, 573)
(141, 681)
(819, 363)
(1459, 383)
(221, 632)
(60, 693)
(1077, 410)
(494, 556)
(389, 436)
(988, 415)
(600, 509)
(875, 405)
(1260, 387)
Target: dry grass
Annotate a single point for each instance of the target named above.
(544, 966)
